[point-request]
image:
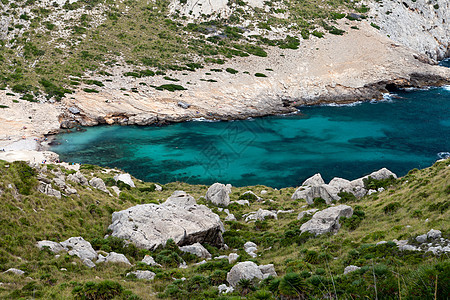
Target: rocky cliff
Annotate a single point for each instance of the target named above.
(421, 25)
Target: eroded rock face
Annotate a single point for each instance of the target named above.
(150, 225)
(219, 194)
(244, 270)
(327, 220)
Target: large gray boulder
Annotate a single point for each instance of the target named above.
(327, 220)
(150, 225)
(78, 178)
(146, 275)
(79, 247)
(196, 249)
(125, 178)
(99, 184)
(268, 270)
(115, 258)
(261, 215)
(244, 270)
(219, 194)
(315, 180)
(52, 246)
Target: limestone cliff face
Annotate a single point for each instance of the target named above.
(423, 25)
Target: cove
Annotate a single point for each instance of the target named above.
(410, 129)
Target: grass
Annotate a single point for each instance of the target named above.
(27, 216)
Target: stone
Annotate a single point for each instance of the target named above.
(324, 191)
(230, 217)
(306, 213)
(48, 190)
(52, 246)
(116, 190)
(98, 184)
(183, 105)
(149, 260)
(15, 271)
(224, 289)
(285, 211)
(242, 202)
(219, 194)
(434, 234)
(74, 110)
(181, 198)
(381, 174)
(327, 220)
(268, 270)
(79, 247)
(151, 225)
(196, 249)
(253, 195)
(88, 263)
(263, 192)
(158, 188)
(113, 257)
(244, 270)
(125, 178)
(146, 275)
(260, 215)
(249, 245)
(315, 180)
(78, 178)
(421, 238)
(350, 269)
(370, 192)
(232, 258)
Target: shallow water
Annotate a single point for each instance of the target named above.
(345, 141)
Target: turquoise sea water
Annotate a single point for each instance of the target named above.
(410, 130)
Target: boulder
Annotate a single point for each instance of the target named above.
(150, 225)
(224, 289)
(125, 178)
(149, 260)
(218, 194)
(52, 246)
(421, 238)
(306, 213)
(158, 188)
(232, 258)
(324, 191)
(116, 190)
(327, 220)
(253, 195)
(147, 275)
(79, 247)
(98, 184)
(114, 257)
(242, 202)
(47, 189)
(350, 269)
(15, 271)
(315, 180)
(260, 215)
(381, 174)
(230, 217)
(88, 263)
(434, 234)
(78, 178)
(196, 249)
(268, 270)
(244, 270)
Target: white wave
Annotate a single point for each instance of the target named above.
(202, 119)
(334, 104)
(443, 155)
(446, 87)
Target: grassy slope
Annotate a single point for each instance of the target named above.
(100, 34)
(25, 219)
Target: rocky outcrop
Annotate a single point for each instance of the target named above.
(315, 187)
(421, 25)
(15, 271)
(47, 189)
(179, 218)
(260, 215)
(308, 212)
(327, 220)
(219, 194)
(52, 246)
(196, 249)
(98, 184)
(146, 275)
(244, 270)
(78, 178)
(149, 260)
(251, 248)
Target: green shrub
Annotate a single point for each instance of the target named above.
(170, 87)
(391, 208)
(98, 291)
(346, 197)
(293, 285)
(260, 75)
(374, 184)
(231, 70)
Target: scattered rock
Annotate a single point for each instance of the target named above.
(88, 263)
(79, 247)
(15, 271)
(244, 270)
(149, 260)
(224, 289)
(350, 268)
(253, 195)
(421, 238)
(125, 178)
(218, 194)
(241, 202)
(147, 275)
(74, 110)
(52, 246)
(98, 184)
(260, 215)
(370, 192)
(150, 225)
(434, 234)
(78, 178)
(47, 189)
(196, 249)
(116, 190)
(251, 248)
(327, 220)
(268, 270)
(158, 188)
(263, 192)
(232, 258)
(183, 105)
(114, 257)
(306, 213)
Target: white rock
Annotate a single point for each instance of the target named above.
(52, 246)
(249, 245)
(263, 192)
(125, 178)
(219, 194)
(261, 215)
(434, 234)
(232, 258)
(149, 260)
(224, 289)
(370, 192)
(350, 269)
(116, 190)
(147, 275)
(327, 220)
(315, 180)
(116, 258)
(306, 213)
(88, 263)
(15, 271)
(196, 249)
(79, 247)
(242, 202)
(268, 270)
(421, 238)
(158, 188)
(99, 184)
(243, 270)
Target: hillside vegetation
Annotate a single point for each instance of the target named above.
(51, 48)
(308, 267)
